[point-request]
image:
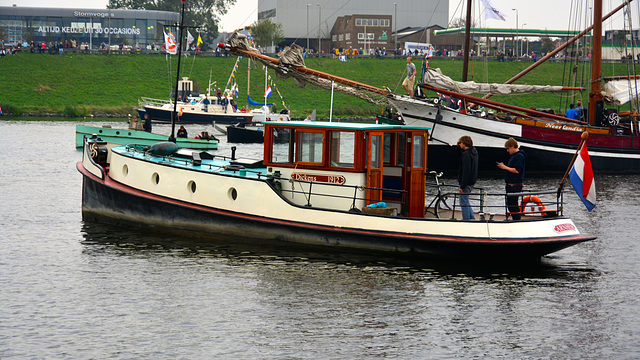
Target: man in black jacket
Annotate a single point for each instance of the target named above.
(467, 175)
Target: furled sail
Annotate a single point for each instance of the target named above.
(620, 91)
(435, 78)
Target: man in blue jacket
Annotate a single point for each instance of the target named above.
(514, 177)
(467, 175)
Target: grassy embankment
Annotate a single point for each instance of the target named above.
(79, 84)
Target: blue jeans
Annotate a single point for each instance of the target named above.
(467, 211)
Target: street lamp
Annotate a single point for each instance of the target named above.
(308, 27)
(526, 39)
(319, 27)
(516, 10)
(395, 25)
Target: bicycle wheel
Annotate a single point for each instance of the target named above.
(441, 205)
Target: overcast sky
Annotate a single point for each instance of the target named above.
(538, 14)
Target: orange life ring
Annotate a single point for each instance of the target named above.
(536, 200)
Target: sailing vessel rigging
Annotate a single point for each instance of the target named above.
(550, 139)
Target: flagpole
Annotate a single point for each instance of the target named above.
(583, 137)
(172, 138)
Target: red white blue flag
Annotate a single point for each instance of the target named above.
(581, 176)
(268, 92)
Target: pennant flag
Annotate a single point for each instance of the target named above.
(180, 112)
(0, 110)
(190, 38)
(581, 176)
(199, 40)
(237, 91)
(429, 51)
(170, 43)
(491, 12)
(268, 92)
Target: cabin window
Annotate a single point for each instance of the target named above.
(310, 147)
(281, 146)
(400, 146)
(376, 143)
(417, 150)
(387, 148)
(341, 148)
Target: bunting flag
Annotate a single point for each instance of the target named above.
(170, 43)
(237, 91)
(268, 92)
(492, 12)
(581, 176)
(190, 38)
(199, 40)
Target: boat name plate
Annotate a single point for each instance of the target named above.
(331, 179)
(564, 227)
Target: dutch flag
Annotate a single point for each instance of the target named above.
(581, 176)
(268, 92)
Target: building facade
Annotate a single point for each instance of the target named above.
(90, 26)
(312, 23)
(364, 33)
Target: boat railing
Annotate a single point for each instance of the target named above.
(531, 203)
(154, 102)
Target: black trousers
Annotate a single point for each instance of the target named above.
(512, 201)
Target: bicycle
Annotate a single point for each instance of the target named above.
(439, 201)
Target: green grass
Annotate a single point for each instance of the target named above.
(79, 84)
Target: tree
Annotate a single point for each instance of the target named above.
(203, 14)
(548, 45)
(266, 32)
(461, 23)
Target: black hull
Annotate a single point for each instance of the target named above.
(123, 206)
(157, 115)
(242, 135)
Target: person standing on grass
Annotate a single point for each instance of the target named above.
(408, 82)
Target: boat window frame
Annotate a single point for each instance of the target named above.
(330, 149)
(299, 146)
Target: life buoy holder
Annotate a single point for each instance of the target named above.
(538, 203)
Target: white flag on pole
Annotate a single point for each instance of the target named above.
(190, 38)
(492, 12)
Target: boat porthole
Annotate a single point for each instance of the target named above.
(155, 178)
(233, 194)
(129, 133)
(454, 118)
(125, 170)
(100, 131)
(191, 186)
(117, 132)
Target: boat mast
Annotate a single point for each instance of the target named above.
(467, 38)
(172, 138)
(559, 48)
(595, 96)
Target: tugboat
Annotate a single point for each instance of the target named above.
(337, 185)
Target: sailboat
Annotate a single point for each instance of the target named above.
(550, 140)
(254, 132)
